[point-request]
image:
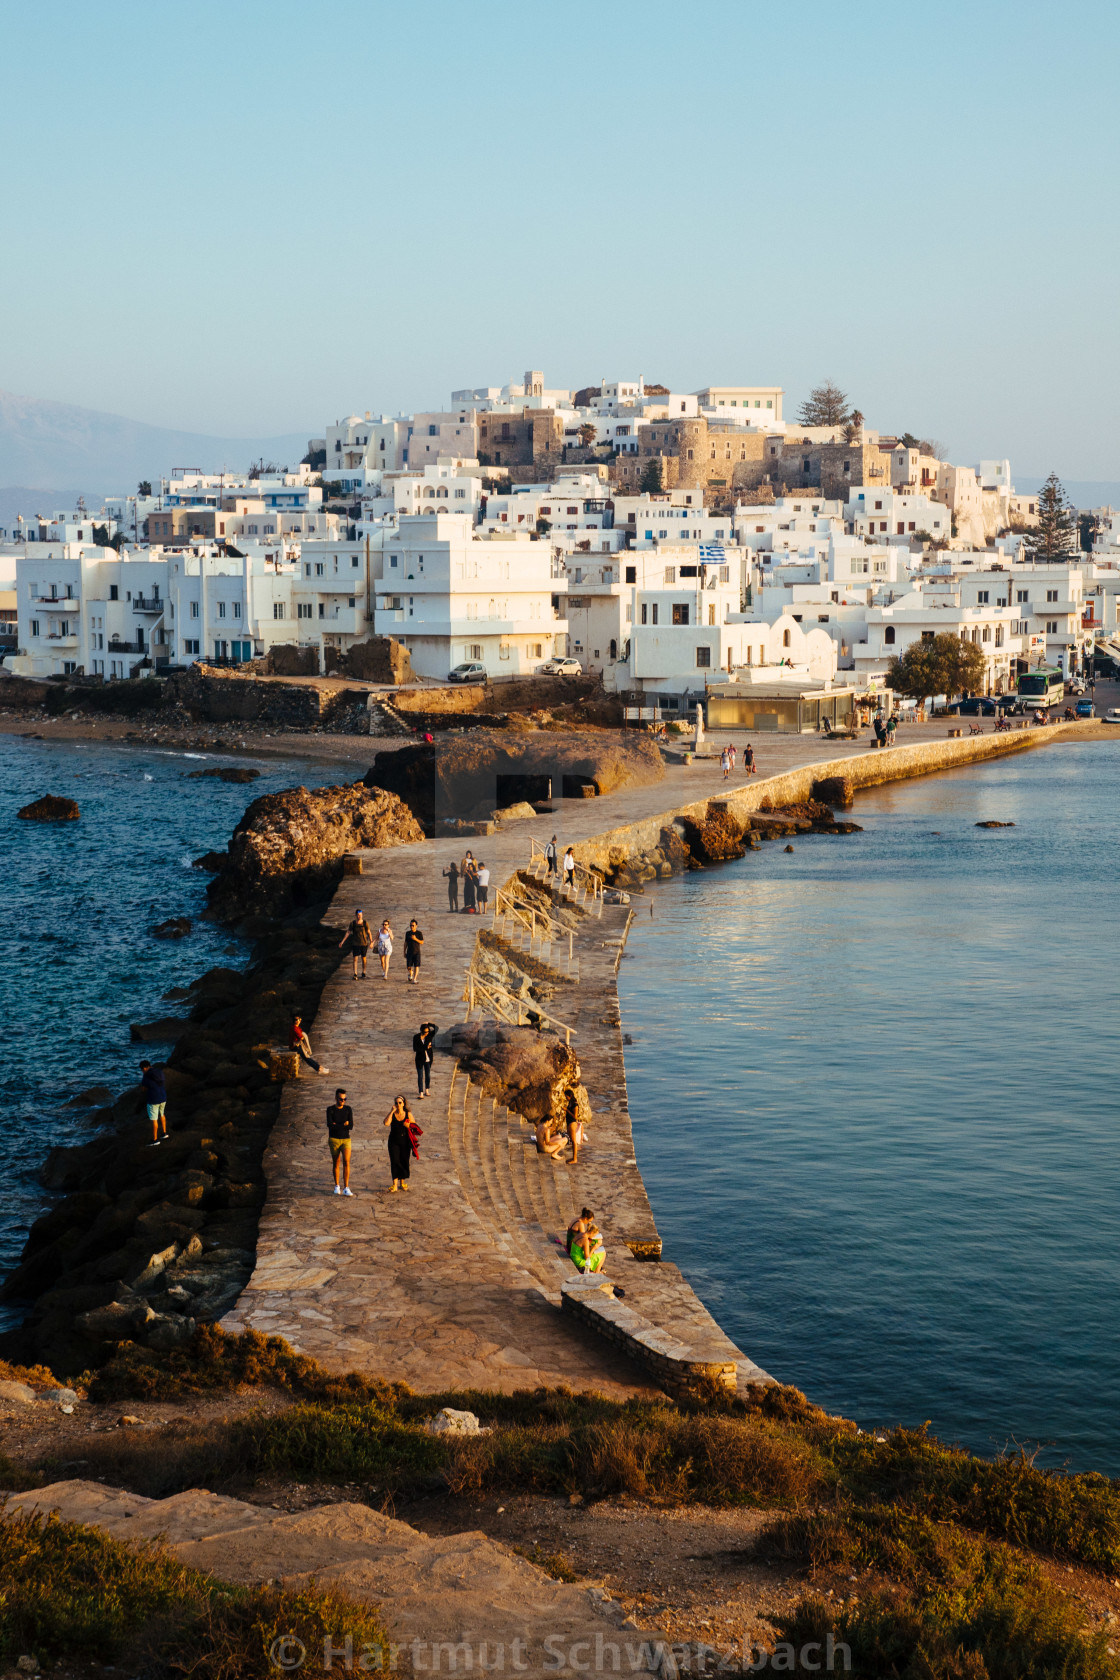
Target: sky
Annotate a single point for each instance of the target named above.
(255, 216)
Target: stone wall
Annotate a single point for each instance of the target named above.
(287, 660)
(214, 697)
(379, 659)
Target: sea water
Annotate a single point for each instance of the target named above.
(875, 1086)
(78, 962)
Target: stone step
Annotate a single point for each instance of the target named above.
(464, 1591)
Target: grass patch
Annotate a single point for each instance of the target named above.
(73, 1594)
(215, 1361)
(556, 1564)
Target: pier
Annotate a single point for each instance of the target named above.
(461, 1283)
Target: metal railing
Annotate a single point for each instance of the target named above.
(484, 995)
(538, 924)
(590, 883)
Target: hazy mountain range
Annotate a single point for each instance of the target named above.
(64, 451)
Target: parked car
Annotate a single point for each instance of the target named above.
(1085, 708)
(1112, 715)
(984, 705)
(470, 672)
(561, 668)
(1075, 686)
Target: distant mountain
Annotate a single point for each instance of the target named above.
(49, 443)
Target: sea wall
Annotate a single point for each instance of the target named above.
(608, 850)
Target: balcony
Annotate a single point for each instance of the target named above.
(155, 605)
(125, 647)
(66, 604)
(64, 638)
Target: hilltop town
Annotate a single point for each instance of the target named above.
(669, 543)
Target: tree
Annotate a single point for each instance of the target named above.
(653, 477)
(144, 488)
(826, 405)
(1055, 537)
(587, 434)
(942, 665)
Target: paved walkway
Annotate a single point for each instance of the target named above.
(456, 1283)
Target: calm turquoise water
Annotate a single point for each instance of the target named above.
(875, 1097)
(77, 963)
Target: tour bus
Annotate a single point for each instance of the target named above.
(1041, 689)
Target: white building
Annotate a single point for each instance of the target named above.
(451, 596)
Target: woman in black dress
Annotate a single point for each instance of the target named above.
(451, 876)
(469, 877)
(398, 1120)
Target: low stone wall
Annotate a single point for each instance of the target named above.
(592, 1301)
(891, 764)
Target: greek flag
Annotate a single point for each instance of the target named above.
(713, 553)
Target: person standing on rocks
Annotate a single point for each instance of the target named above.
(155, 1096)
(298, 1041)
(483, 886)
(570, 869)
(413, 940)
(550, 856)
(385, 947)
(361, 933)
(340, 1125)
(399, 1120)
(573, 1125)
(423, 1052)
(451, 876)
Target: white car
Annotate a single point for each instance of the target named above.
(561, 668)
(1112, 715)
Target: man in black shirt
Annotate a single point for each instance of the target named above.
(423, 1043)
(413, 940)
(340, 1124)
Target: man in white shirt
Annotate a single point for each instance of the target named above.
(483, 884)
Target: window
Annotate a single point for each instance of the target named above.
(476, 650)
(34, 626)
(785, 638)
(318, 568)
(982, 597)
(631, 574)
(654, 614)
(194, 609)
(888, 635)
(725, 574)
(221, 609)
(114, 592)
(322, 610)
(680, 612)
(1051, 594)
(1051, 627)
(703, 656)
(1022, 594)
(711, 614)
(278, 609)
(303, 609)
(822, 618)
(35, 630)
(237, 609)
(190, 647)
(986, 634)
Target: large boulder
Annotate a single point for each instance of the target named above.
(717, 837)
(529, 1071)
(287, 850)
(474, 773)
(50, 808)
(834, 790)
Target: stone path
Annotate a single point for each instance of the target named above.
(441, 1591)
(456, 1283)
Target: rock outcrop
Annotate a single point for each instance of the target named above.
(50, 808)
(479, 771)
(287, 850)
(834, 790)
(530, 1072)
(227, 773)
(175, 927)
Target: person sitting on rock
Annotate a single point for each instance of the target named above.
(298, 1041)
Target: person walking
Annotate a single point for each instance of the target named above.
(399, 1120)
(361, 933)
(298, 1040)
(469, 873)
(451, 876)
(570, 869)
(340, 1124)
(550, 856)
(483, 886)
(748, 760)
(892, 726)
(413, 940)
(423, 1052)
(731, 755)
(385, 947)
(725, 763)
(880, 732)
(155, 1097)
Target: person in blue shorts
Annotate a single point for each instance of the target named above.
(155, 1095)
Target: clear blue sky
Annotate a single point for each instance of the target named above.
(255, 216)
